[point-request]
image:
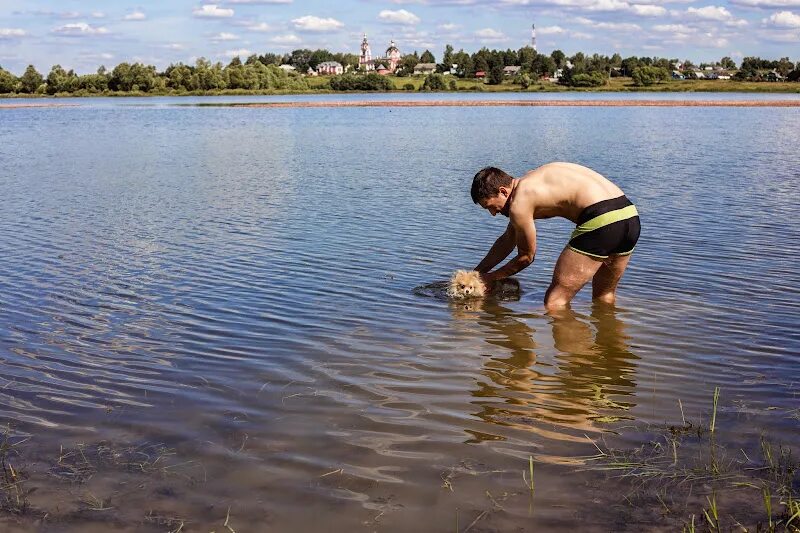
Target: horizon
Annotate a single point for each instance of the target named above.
(85, 35)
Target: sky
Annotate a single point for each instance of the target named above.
(85, 34)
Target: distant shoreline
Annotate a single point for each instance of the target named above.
(521, 103)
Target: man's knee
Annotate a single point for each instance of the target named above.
(556, 298)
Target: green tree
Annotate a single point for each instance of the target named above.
(649, 75)
(61, 81)
(784, 66)
(30, 80)
(8, 82)
(464, 64)
(447, 59)
(727, 63)
(434, 82)
(496, 72)
(559, 57)
(427, 57)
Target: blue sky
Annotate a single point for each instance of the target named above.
(87, 33)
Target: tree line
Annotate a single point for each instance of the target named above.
(262, 72)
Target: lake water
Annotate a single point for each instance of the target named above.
(228, 294)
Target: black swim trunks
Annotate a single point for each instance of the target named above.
(610, 227)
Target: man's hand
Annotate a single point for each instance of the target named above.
(488, 280)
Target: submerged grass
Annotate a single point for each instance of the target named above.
(686, 466)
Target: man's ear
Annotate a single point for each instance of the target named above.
(503, 190)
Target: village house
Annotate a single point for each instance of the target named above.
(424, 68)
(330, 68)
(511, 71)
(287, 68)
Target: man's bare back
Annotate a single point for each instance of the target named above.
(561, 190)
(599, 248)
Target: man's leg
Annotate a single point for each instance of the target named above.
(604, 282)
(572, 271)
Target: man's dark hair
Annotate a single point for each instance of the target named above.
(487, 183)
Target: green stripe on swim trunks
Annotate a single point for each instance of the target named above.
(604, 220)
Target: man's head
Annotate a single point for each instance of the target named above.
(491, 188)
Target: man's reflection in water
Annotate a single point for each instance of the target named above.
(585, 379)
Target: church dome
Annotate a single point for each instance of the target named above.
(392, 48)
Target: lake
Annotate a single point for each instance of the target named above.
(216, 317)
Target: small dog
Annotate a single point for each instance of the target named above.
(466, 284)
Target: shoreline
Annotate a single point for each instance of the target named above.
(465, 103)
(520, 103)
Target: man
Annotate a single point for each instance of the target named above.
(599, 248)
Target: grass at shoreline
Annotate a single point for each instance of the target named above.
(318, 85)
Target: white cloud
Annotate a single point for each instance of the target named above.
(136, 15)
(289, 38)
(449, 26)
(613, 26)
(258, 26)
(212, 11)
(238, 53)
(80, 29)
(783, 19)
(317, 24)
(258, 2)
(12, 33)
(671, 28)
(767, 3)
(648, 10)
(175, 46)
(401, 16)
(490, 35)
(224, 36)
(550, 30)
(98, 15)
(710, 13)
(717, 13)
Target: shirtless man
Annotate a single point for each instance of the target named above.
(599, 248)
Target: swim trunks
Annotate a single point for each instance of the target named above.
(610, 227)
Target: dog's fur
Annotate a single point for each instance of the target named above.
(466, 284)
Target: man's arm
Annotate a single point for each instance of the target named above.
(525, 232)
(503, 246)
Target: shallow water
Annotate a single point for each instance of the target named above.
(238, 285)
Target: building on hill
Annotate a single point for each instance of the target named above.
(330, 68)
(424, 68)
(390, 61)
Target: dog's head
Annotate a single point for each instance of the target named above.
(466, 284)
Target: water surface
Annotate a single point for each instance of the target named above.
(238, 286)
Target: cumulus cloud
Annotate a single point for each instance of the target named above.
(258, 26)
(12, 33)
(449, 26)
(648, 10)
(401, 16)
(490, 35)
(238, 53)
(316, 24)
(767, 3)
(258, 2)
(80, 29)
(224, 36)
(212, 11)
(287, 39)
(136, 15)
(613, 26)
(550, 30)
(98, 15)
(175, 46)
(717, 13)
(783, 19)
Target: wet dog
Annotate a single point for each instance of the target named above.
(466, 284)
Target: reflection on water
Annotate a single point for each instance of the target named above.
(238, 284)
(590, 379)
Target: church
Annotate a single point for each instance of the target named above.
(383, 65)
